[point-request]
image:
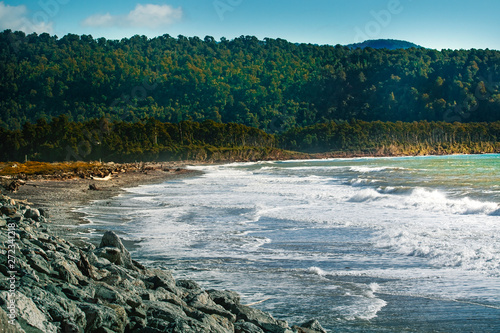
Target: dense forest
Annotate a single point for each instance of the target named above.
(395, 138)
(269, 84)
(152, 140)
(148, 139)
(389, 44)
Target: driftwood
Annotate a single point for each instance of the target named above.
(108, 177)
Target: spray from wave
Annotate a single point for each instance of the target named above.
(426, 199)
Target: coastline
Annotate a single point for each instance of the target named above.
(51, 285)
(58, 283)
(61, 197)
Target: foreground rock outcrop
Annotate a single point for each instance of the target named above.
(48, 284)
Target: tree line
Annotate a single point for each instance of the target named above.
(269, 84)
(119, 141)
(152, 140)
(395, 138)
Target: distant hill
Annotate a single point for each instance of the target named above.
(389, 44)
(270, 84)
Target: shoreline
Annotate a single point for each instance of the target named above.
(56, 282)
(60, 199)
(49, 284)
(61, 283)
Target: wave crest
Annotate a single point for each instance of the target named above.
(365, 195)
(435, 200)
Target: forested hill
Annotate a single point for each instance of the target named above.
(270, 84)
(390, 44)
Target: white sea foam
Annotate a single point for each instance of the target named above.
(358, 182)
(394, 190)
(464, 244)
(317, 271)
(404, 198)
(319, 227)
(364, 305)
(367, 169)
(436, 200)
(365, 195)
(374, 287)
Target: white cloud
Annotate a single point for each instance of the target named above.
(154, 16)
(143, 16)
(99, 20)
(17, 18)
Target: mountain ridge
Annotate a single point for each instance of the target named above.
(389, 44)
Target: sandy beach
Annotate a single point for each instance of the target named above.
(60, 198)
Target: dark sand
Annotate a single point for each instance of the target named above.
(60, 198)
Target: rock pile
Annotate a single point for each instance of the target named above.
(48, 284)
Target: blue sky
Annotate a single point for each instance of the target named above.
(439, 24)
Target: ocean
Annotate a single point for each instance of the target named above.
(404, 244)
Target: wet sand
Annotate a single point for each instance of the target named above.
(60, 198)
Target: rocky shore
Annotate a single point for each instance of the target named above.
(49, 284)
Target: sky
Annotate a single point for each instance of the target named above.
(438, 24)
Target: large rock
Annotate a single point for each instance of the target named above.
(44, 212)
(113, 254)
(6, 326)
(109, 294)
(52, 301)
(261, 319)
(43, 245)
(161, 294)
(67, 270)
(226, 298)
(31, 317)
(112, 249)
(218, 324)
(312, 326)
(202, 302)
(31, 213)
(162, 279)
(195, 326)
(165, 311)
(100, 317)
(188, 284)
(39, 263)
(8, 211)
(245, 327)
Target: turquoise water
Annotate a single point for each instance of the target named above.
(364, 245)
